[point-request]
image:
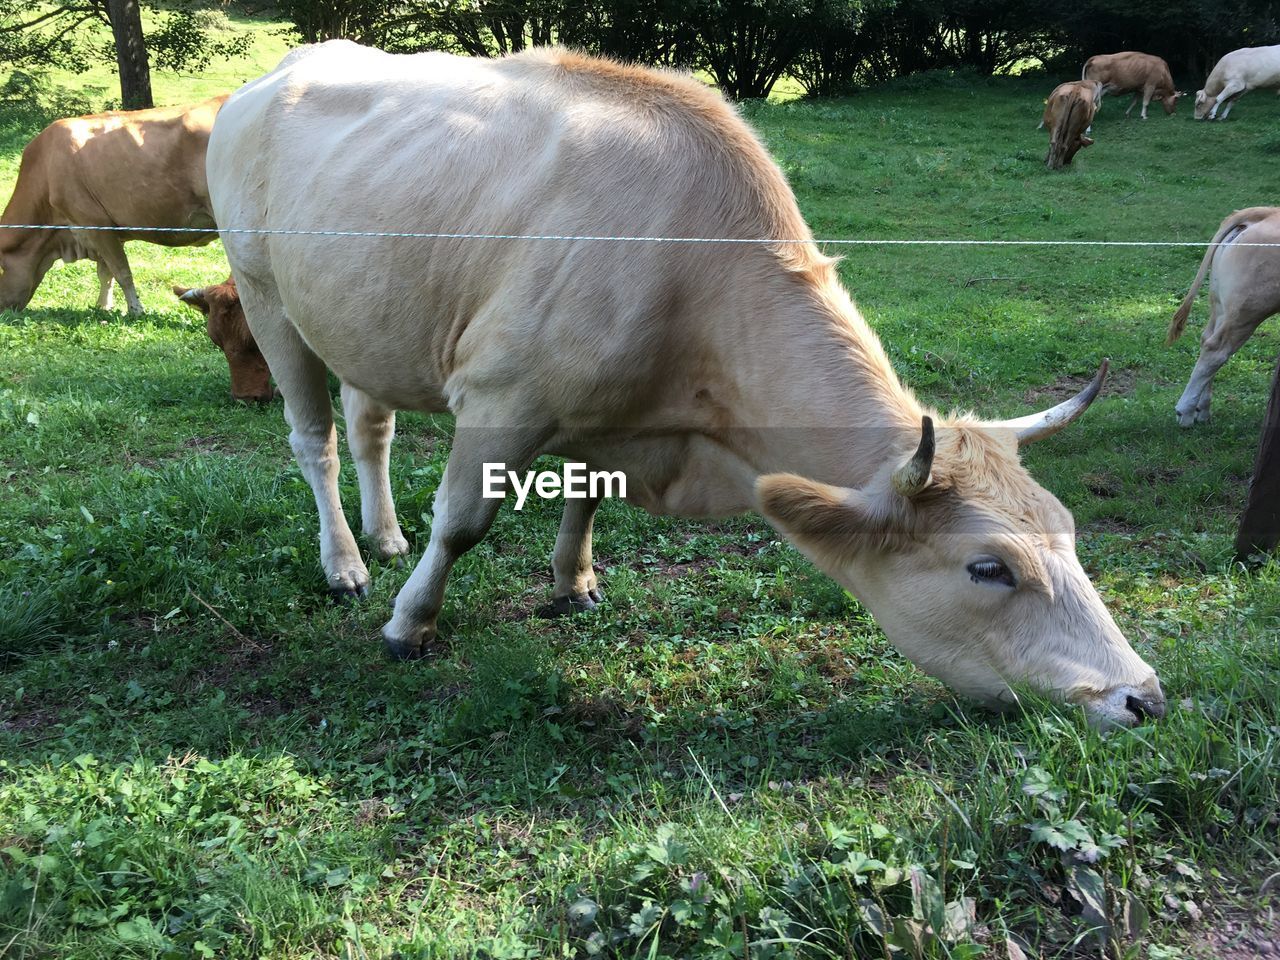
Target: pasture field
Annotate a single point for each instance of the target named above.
(205, 757)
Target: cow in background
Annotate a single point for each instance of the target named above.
(250, 377)
(136, 168)
(1145, 76)
(1068, 113)
(1244, 291)
(1238, 72)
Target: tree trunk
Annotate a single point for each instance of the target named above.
(131, 54)
(1260, 525)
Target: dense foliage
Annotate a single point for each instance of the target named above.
(827, 45)
(35, 35)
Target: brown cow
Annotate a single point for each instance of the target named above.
(250, 377)
(1145, 76)
(137, 168)
(1068, 113)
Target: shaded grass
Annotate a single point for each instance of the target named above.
(729, 750)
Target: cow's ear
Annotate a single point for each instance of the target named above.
(194, 296)
(819, 518)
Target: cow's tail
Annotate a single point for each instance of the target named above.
(1058, 138)
(1084, 71)
(1234, 223)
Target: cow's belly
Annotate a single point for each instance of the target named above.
(679, 476)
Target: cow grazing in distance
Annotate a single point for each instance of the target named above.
(1147, 77)
(220, 303)
(1238, 72)
(1068, 113)
(1244, 291)
(135, 168)
(720, 378)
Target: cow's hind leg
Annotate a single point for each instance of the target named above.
(462, 515)
(111, 252)
(105, 299)
(575, 580)
(370, 429)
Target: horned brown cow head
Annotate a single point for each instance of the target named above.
(970, 568)
(1170, 101)
(250, 376)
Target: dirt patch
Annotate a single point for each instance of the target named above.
(1157, 473)
(693, 567)
(34, 724)
(205, 444)
(1110, 525)
(1119, 383)
(1239, 938)
(1104, 484)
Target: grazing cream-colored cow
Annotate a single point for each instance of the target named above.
(719, 377)
(134, 168)
(1244, 291)
(1238, 72)
(1068, 113)
(1144, 75)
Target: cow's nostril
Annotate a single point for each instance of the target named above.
(1143, 709)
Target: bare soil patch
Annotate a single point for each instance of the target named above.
(1120, 383)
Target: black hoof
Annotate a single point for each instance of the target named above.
(577, 603)
(347, 595)
(408, 650)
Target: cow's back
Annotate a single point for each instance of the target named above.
(1256, 66)
(131, 168)
(542, 144)
(1128, 70)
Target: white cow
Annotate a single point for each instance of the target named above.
(719, 377)
(1244, 291)
(1238, 72)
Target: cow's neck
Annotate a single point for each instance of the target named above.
(820, 397)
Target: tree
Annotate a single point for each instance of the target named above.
(37, 33)
(131, 54)
(747, 45)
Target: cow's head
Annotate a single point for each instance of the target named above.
(1203, 105)
(250, 377)
(969, 566)
(25, 257)
(1170, 101)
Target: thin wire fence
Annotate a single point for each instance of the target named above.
(604, 238)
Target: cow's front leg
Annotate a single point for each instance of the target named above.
(462, 515)
(370, 429)
(575, 580)
(111, 252)
(1232, 89)
(1129, 110)
(105, 299)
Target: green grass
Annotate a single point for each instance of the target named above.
(729, 748)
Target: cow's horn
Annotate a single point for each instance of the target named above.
(1037, 426)
(194, 295)
(913, 476)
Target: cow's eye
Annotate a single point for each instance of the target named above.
(990, 570)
